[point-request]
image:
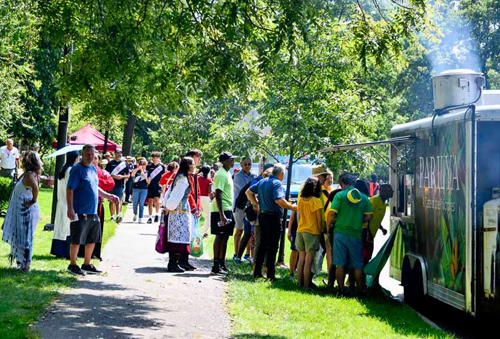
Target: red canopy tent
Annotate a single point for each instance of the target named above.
(89, 135)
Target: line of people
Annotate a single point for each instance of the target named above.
(342, 222)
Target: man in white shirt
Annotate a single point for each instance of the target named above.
(9, 159)
(36, 149)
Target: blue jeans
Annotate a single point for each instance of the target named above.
(139, 196)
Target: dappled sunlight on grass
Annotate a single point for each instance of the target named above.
(23, 297)
(261, 309)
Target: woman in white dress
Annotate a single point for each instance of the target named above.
(60, 241)
(179, 215)
(23, 214)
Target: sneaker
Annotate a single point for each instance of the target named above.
(236, 259)
(112, 218)
(74, 269)
(215, 270)
(134, 219)
(150, 221)
(157, 218)
(90, 269)
(224, 270)
(140, 221)
(119, 219)
(248, 259)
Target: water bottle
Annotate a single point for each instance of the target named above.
(228, 222)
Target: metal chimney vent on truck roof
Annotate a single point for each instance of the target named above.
(456, 87)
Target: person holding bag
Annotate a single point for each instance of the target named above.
(179, 215)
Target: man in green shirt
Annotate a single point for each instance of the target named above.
(221, 217)
(350, 209)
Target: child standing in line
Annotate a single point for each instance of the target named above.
(309, 230)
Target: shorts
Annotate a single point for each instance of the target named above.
(239, 216)
(118, 191)
(154, 191)
(307, 242)
(347, 251)
(224, 230)
(86, 230)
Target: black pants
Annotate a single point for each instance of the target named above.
(270, 231)
(128, 189)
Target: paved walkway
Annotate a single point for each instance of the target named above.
(138, 298)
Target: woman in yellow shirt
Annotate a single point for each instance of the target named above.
(309, 213)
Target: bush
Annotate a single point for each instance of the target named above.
(49, 166)
(5, 189)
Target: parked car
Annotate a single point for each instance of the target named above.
(300, 173)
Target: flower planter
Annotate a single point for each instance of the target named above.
(48, 182)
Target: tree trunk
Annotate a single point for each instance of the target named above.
(281, 256)
(128, 133)
(106, 139)
(62, 138)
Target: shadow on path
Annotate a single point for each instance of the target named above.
(100, 315)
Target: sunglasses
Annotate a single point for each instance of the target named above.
(246, 164)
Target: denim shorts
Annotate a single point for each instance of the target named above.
(118, 191)
(347, 251)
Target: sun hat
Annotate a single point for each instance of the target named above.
(319, 170)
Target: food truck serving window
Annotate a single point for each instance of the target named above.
(406, 178)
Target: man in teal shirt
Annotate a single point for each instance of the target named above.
(350, 209)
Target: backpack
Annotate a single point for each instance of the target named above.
(241, 199)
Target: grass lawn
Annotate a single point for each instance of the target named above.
(282, 310)
(23, 297)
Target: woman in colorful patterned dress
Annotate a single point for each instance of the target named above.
(23, 213)
(179, 215)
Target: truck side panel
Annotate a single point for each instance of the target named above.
(440, 209)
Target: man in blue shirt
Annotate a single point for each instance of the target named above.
(82, 196)
(268, 198)
(241, 179)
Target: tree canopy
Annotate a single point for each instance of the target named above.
(259, 76)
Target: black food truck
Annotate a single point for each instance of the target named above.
(445, 171)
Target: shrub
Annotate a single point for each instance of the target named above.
(49, 166)
(5, 189)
